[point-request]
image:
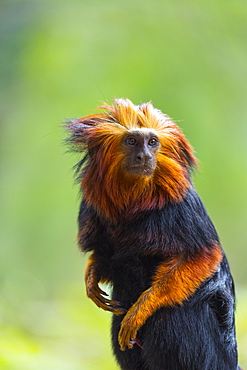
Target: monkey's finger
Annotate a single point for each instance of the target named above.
(133, 336)
(104, 300)
(129, 338)
(116, 311)
(124, 338)
(115, 303)
(101, 303)
(100, 291)
(119, 311)
(104, 293)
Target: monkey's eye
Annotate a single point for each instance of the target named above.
(153, 141)
(131, 141)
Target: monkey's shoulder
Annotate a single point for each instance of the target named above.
(182, 227)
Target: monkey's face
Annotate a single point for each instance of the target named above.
(140, 147)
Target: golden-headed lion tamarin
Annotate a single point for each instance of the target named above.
(151, 238)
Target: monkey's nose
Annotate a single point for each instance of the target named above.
(143, 157)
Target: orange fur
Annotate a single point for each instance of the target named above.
(173, 283)
(106, 186)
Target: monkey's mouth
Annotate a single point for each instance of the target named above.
(141, 170)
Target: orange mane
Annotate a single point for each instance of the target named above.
(105, 185)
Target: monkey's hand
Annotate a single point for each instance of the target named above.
(174, 282)
(132, 322)
(96, 294)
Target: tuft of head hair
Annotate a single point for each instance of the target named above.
(105, 185)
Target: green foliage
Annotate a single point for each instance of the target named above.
(62, 59)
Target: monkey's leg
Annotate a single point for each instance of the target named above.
(92, 278)
(174, 282)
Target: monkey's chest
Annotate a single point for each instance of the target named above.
(131, 276)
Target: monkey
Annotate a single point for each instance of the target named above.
(151, 238)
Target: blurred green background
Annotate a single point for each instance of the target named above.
(61, 59)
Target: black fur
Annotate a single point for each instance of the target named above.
(198, 335)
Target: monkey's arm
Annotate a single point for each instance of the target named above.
(91, 237)
(92, 279)
(174, 282)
